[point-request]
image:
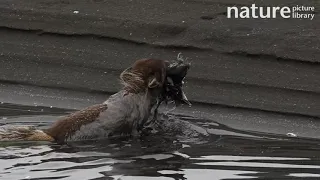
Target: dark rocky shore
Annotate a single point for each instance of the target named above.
(265, 64)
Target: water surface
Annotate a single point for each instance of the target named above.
(202, 149)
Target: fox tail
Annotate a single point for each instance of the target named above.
(23, 133)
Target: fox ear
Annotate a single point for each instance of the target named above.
(153, 82)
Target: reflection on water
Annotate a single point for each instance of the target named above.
(202, 149)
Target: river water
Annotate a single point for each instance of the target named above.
(201, 150)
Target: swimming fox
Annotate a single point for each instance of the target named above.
(145, 85)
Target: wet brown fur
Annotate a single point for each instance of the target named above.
(135, 81)
(68, 125)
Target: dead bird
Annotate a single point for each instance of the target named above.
(146, 84)
(172, 90)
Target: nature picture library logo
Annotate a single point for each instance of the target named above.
(296, 12)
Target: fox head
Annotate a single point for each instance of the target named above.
(144, 74)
